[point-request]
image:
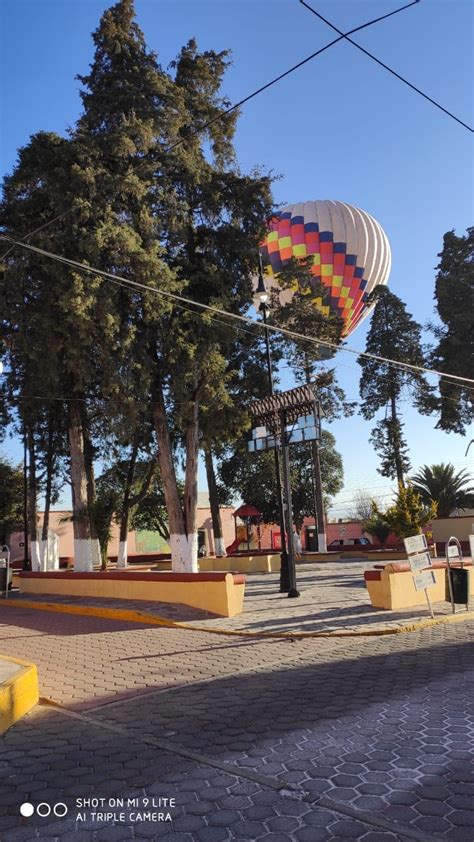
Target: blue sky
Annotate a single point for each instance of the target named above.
(338, 128)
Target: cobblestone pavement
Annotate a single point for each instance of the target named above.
(317, 739)
(333, 599)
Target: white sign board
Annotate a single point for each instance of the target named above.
(453, 551)
(419, 561)
(415, 544)
(424, 580)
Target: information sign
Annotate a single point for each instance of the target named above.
(453, 551)
(418, 555)
(415, 544)
(419, 561)
(424, 580)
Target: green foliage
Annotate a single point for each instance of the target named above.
(394, 335)
(442, 485)
(251, 478)
(145, 495)
(11, 499)
(377, 524)
(150, 514)
(103, 509)
(408, 515)
(454, 353)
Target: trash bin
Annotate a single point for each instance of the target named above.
(460, 583)
(3, 576)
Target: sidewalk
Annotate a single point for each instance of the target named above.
(333, 600)
(263, 739)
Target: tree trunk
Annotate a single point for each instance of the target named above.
(123, 539)
(183, 544)
(317, 485)
(36, 562)
(80, 510)
(319, 499)
(191, 483)
(219, 545)
(96, 554)
(44, 548)
(396, 446)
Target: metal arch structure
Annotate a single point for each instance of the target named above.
(293, 404)
(275, 413)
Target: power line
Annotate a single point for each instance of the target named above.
(245, 319)
(385, 66)
(193, 131)
(36, 230)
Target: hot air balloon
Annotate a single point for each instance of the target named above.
(351, 254)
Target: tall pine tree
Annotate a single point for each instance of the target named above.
(394, 335)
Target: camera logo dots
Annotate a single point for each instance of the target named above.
(43, 809)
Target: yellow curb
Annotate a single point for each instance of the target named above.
(129, 616)
(18, 694)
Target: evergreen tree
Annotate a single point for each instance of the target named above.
(454, 353)
(144, 190)
(212, 218)
(11, 499)
(408, 515)
(394, 335)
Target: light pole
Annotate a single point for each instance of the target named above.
(264, 309)
(26, 560)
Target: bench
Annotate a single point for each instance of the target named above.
(392, 587)
(220, 593)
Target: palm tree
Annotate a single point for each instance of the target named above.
(442, 485)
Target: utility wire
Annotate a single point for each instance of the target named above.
(193, 131)
(36, 230)
(245, 319)
(385, 66)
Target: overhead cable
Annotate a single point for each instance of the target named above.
(236, 317)
(197, 130)
(385, 66)
(36, 230)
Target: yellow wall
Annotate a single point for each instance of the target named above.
(18, 694)
(224, 598)
(397, 591)
(242, 564)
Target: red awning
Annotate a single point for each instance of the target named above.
(247, 511)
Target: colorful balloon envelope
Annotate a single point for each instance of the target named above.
(350, 254)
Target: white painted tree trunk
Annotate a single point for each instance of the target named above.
(95, 552)
(43, 551)
(322, 547)
(182, 520)
(36, 561)
(219, 546)
(82, 556)
(184, 550)
(49, 553)
(81, 523)
(53, 553)
(122, 554)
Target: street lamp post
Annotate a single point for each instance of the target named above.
(26, 560)
(264, 309)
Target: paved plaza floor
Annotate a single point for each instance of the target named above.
(148, 732)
